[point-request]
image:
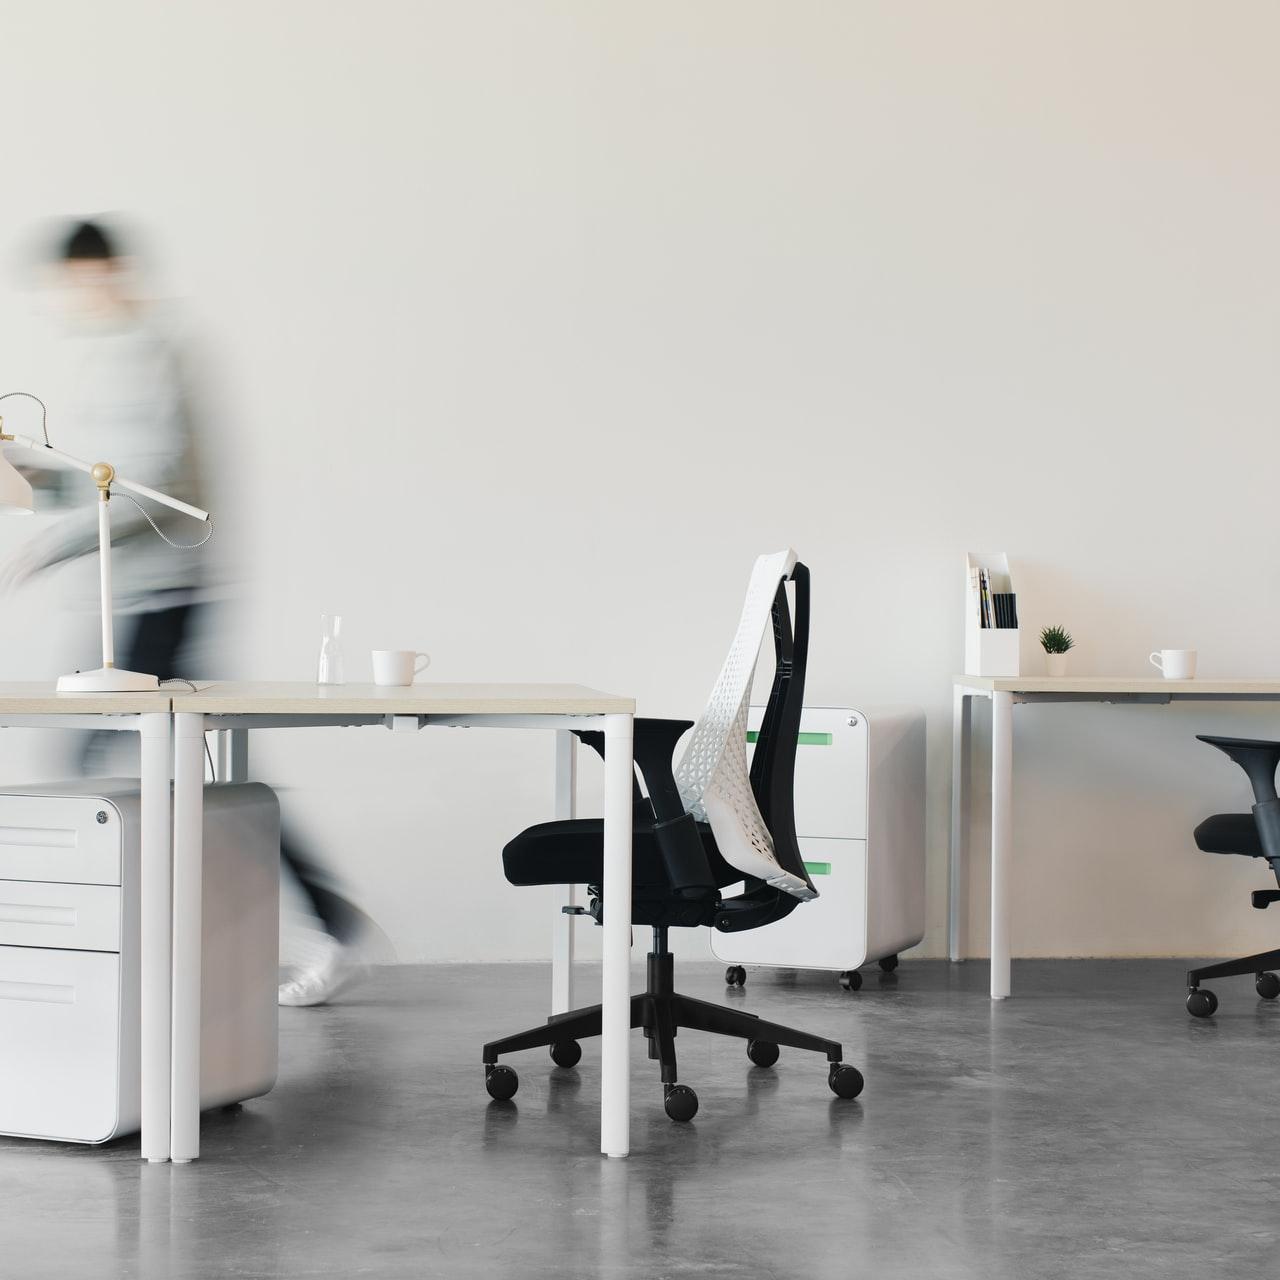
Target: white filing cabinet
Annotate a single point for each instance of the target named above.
(859, 803)
(69, 963)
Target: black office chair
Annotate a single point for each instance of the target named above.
(1254, 835)
(705, 826)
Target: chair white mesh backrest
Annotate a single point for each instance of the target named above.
(714, 781)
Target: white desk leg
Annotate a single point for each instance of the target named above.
(188, 859)
(1001, 840)
(155, 912)
(565, 895)
(958, 866)
(232, 755)
(615, 1065)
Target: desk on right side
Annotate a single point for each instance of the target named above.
(1004, 693)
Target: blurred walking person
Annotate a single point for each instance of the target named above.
(129, 399)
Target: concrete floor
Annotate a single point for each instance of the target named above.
(1087, 1128)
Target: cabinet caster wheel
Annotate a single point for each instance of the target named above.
(566, 1053)
(764, 1053)
(845, 1081)
(681, 1102)
(851, 980)
(889, 963)
(1201, 1003)
(735, 976)
(1268, 986)
(502, 1082)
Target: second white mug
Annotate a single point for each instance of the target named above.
(398, 666)
(1175, 664)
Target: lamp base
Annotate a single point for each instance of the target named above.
(108, 680)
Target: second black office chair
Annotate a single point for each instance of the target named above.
(1253, 835)
(706, 825)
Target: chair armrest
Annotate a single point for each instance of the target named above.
(594, 739)
(653, 745)
(684, 859)
(1258, 759)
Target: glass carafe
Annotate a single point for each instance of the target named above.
(329, 670)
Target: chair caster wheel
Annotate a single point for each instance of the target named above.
(1268, 986)
(764, 1053)
(681, 1102)
(566, 1053)
(845, 1081)
(1201, 1003)
(889, 963)
(502, 1082)
(735, 976)
(851, 980)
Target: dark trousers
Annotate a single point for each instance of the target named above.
(156, 647)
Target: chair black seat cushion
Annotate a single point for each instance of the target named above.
(572, 852)
(1230, 833)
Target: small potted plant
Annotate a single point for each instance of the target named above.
(1056, 643)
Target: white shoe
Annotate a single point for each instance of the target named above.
(323, 977)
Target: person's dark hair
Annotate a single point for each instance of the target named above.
(88, 241)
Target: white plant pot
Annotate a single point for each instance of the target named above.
(1056, 664)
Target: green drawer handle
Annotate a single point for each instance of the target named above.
(818, 868)
(804, 739)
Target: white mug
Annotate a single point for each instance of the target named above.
(398, 666)
(1175, 664)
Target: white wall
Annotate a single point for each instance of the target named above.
(616, 296)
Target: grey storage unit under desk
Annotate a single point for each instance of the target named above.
(69, 954)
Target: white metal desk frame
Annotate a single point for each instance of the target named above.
(1004, 693)
(153, 729)
(233, 755)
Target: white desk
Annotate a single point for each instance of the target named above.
(147, 714)
(236, 708)
(1004, 693)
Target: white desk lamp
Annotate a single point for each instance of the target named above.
(16, 497)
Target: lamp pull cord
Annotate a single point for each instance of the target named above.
(44, 412)
(178, 546)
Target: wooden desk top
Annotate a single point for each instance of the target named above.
(42, 698)
(1096, 686)
(301, 698)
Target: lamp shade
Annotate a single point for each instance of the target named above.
(15, 492)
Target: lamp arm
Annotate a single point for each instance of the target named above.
(132, 486)
(38, 446)
(144, 491)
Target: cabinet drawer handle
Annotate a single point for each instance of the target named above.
(38, 992)
(23, 913)
(40, 837)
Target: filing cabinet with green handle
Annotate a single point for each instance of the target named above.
(859, 805)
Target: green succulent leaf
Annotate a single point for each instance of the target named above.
(1056, 640)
